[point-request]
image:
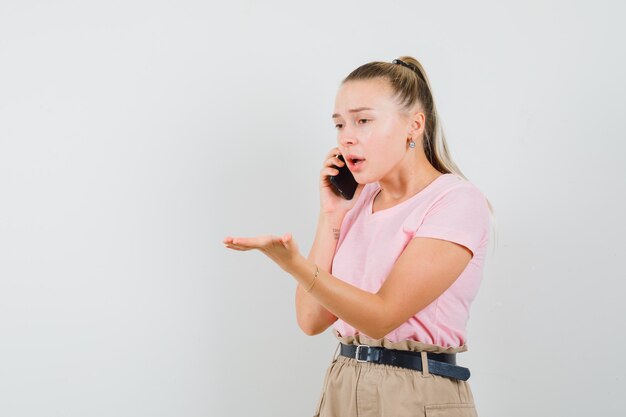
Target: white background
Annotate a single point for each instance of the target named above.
(135, 135)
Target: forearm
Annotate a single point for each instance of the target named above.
(361, 309)
(312, 317)
(325, 243)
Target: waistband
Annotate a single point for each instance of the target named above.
(443, 364)
(410, 345)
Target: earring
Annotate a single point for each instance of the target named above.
(411, 144)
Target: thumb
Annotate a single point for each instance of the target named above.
(287, 239)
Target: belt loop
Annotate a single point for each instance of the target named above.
(425, 364)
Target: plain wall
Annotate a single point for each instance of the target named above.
(135, 135)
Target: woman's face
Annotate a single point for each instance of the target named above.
(371, 126)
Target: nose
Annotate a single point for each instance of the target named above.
(346, 138)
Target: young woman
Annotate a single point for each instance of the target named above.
(394, 269)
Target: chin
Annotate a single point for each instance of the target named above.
(364, 181)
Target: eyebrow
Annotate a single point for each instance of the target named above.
(358, 109)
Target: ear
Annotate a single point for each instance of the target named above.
(418, 124)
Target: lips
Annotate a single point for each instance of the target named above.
(354, 161)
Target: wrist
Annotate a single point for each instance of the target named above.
(295, 265)
(332, 219)
(303, 270)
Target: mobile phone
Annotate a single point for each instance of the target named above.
(344, 182)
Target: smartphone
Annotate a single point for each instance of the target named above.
(344, 182)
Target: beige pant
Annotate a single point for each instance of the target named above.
(365, 389)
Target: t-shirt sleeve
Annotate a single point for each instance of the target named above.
(461, 215)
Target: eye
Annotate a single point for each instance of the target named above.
(337, 126)
(366, 120)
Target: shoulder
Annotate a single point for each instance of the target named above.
(458, 191)
(459, 212)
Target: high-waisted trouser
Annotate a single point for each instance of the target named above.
(365, 389)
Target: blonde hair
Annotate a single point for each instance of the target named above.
(411, 85)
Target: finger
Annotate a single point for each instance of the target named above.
(278, 241)
(334, 151)
(334, 160)
(289, 242)
(273, 241)
(236, 246)
(244, 241)
(329, 171)
(259, 242)
(234, 243)
(237, 240)
(241, 249)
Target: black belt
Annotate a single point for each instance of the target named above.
(443, 364)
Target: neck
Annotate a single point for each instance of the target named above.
(409, 177)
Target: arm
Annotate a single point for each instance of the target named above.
(425, 269)
(313, 318)
(430, 263)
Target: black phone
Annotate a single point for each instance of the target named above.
(344, 182)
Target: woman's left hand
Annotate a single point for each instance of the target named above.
(281, 249)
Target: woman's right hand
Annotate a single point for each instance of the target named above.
(331, 202)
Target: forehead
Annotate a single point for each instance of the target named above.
(375, 93)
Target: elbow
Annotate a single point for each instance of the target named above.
(380, 330)
(309, 328)
(310, 331)
(376, 334)
(314, 323)
(382, 325)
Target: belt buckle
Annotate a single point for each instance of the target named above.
(357, 353)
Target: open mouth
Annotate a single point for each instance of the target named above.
(356, 161)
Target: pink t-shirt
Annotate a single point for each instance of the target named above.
(449, 208)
